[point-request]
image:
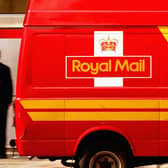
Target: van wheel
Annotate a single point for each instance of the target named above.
(103, 158)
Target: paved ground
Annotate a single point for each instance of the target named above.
(23, 162)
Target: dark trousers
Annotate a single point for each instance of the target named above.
(3, 119)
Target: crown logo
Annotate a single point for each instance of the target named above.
(108, 44)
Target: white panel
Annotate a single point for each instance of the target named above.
(10, 52)
(100, 35)
(104, 35)
(108, 82)
(11, 20)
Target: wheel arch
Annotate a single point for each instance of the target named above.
(101, 131)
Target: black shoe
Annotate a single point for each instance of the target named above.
(3, 156)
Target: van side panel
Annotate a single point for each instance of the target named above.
(54, 111)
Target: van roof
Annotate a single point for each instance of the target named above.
(97, 12)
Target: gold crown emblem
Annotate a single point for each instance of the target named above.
(108, 44)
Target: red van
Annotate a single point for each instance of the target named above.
(93, 81)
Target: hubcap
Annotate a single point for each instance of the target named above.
(105, 159)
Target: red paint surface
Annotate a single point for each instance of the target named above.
(11, 33)
(41, 73)
(85, 12)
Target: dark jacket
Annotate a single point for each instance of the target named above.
(5, 85)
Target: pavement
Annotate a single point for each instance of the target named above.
(23, 162)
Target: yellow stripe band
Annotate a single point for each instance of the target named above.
(97, 104)
(95, 116)
(93, 104)
(163, 104)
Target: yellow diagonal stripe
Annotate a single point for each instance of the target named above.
(47, 116)
(164, 31)
(42, 104)
(94, 116)
(92, 104)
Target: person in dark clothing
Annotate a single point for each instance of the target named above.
(5, 100)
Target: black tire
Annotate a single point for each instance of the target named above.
(102, 158)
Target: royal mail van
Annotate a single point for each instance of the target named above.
(93, 82)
